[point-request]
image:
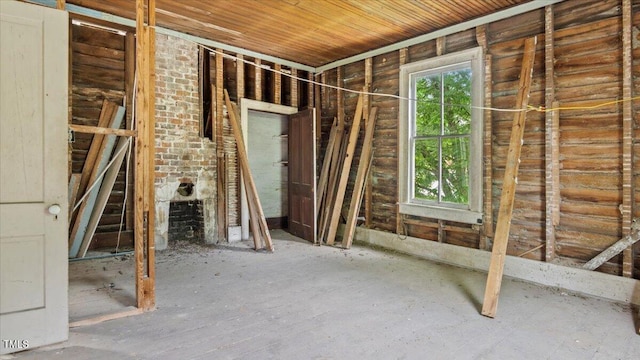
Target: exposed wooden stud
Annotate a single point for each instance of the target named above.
(74, 184)
(403, 59)
(277, 84)
(313, 94)
(627, 207)
(221, 208)
(552, 129)
(258, 79)
(129, 88)
(294, 88)
(101, 130)
(487, 223)
(60, 4)
(359, 183)
(144, 160)
(441, 231)
(499, 252)
(339, 95)
(323, 96)
(239, 76)
(441, 46)
(368, 80)
(354, 133)
(252, 193)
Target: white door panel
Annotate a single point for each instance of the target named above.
(33, 175)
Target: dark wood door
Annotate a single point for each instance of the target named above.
(302, 175)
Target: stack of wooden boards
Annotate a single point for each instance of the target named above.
(334, 176)
(257, 221)
(84, 221)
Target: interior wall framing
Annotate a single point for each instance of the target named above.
(582, 66)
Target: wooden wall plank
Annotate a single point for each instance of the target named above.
(221, 208)
(496, 267)
(354, 132)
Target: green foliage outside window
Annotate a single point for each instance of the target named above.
(442, 136)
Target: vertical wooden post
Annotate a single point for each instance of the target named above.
(277, 84)
(316, 99)
(627, 136)
(339, 98)
(294, 88)
(368, 79)
(145, 152)
(552, 170)
(221, 208)
(60, 4)
(258, 80)
(441, 46)
(403, 59)
(496, 267)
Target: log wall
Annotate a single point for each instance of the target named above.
(581, 64)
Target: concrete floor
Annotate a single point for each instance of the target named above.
(306, 302)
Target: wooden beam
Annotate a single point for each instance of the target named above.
(294, 88)
(326, 162)
(552, 145)
(240, 76)
(277, 84)
(258, 79)
(74, 184)
(145, 153)
(354, 133)
(101, 130)
(487, 223)
(499, 252)
(615, 249)
(339, 98)
(359, 183)
(627, 135)
(368, 197)
(252, 192)
(60, 4)
(337, 158)
(403, 55)
(441, 46)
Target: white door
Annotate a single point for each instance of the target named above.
(33, 176)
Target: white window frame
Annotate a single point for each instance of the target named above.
(472, 213)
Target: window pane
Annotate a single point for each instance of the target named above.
(457, 100)
(455, 170)
(428, 108)
(426, 159)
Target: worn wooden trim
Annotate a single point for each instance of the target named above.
(499, 252)
(364, 166)
(258, 79)
(102, 130)
(344, 173)
(219, 139)
(552, 128)
(627, 135)
(60, 4)
(443, 226)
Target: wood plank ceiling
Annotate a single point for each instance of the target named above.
(310, 32)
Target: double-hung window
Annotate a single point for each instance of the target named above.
(441, 137)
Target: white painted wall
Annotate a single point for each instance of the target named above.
(267, 149)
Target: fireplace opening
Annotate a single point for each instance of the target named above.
(186, 221)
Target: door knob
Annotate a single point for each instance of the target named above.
(54, 209)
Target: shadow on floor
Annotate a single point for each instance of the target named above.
(72, 352)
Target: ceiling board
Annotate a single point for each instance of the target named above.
(310, 32)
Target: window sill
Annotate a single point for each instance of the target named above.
(442, 213)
